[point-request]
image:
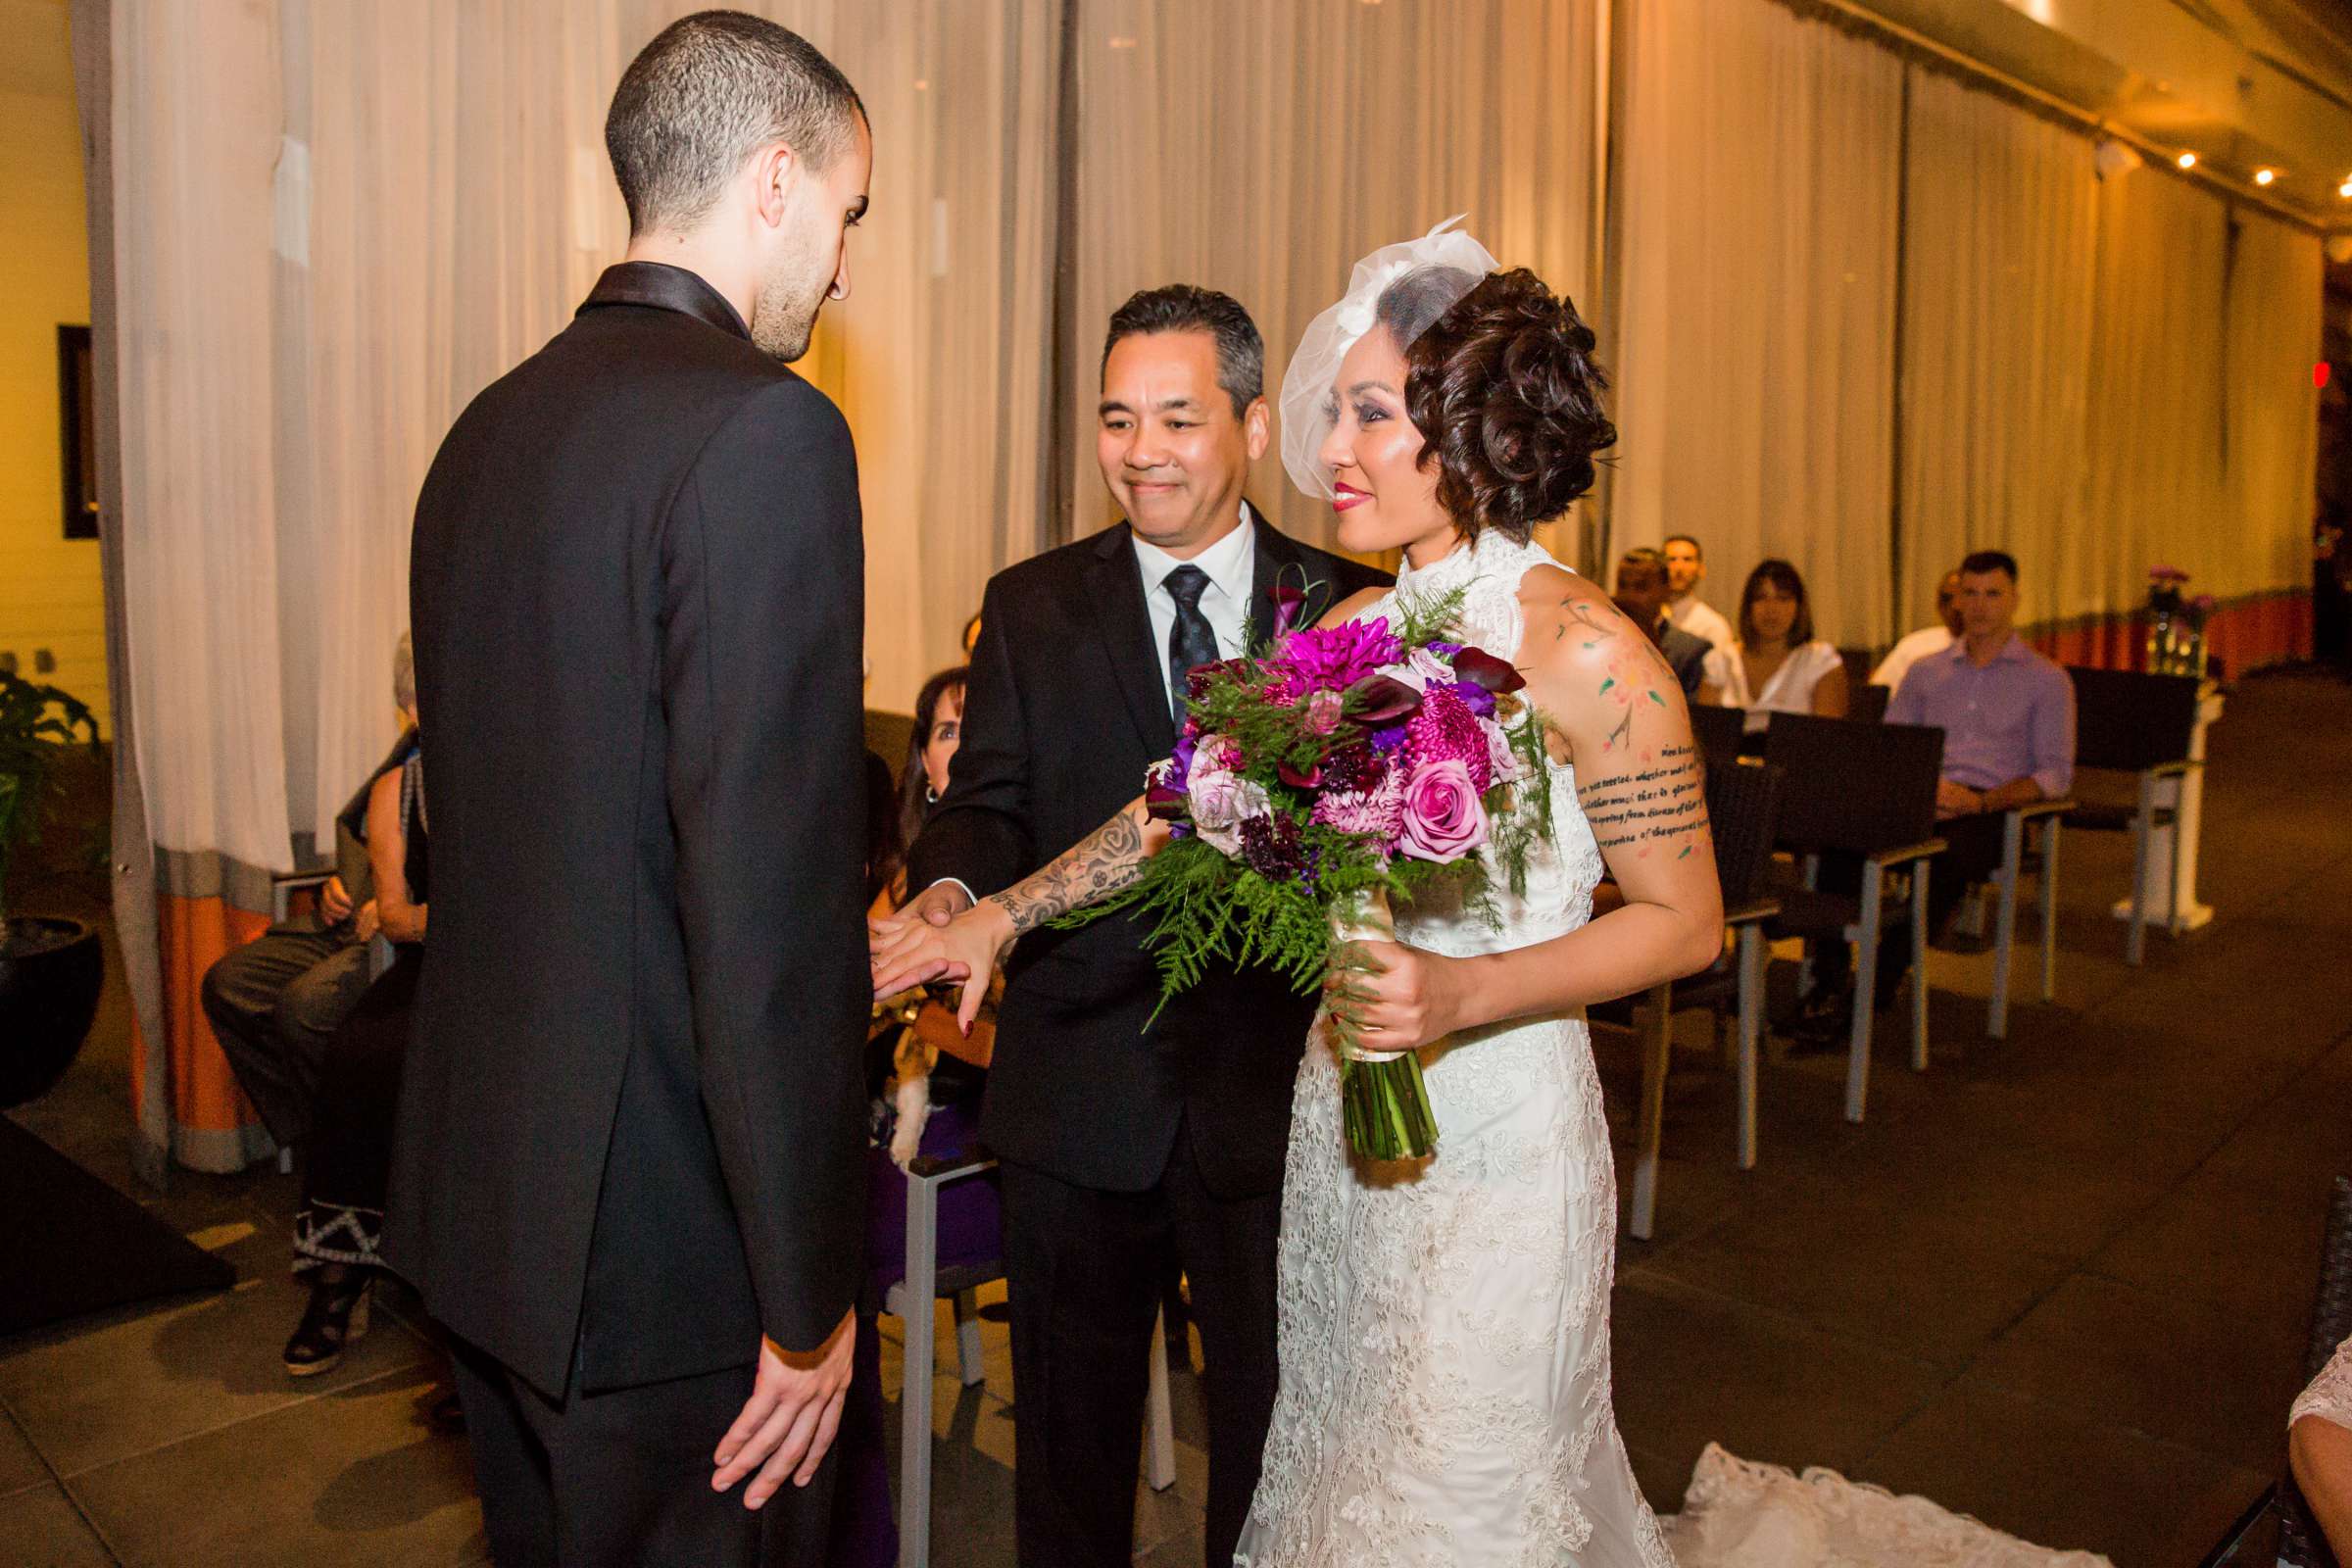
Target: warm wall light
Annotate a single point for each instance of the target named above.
(2186, 160)
(2345, 189)
(2263, 177)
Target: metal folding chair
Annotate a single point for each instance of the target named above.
(1867, 790)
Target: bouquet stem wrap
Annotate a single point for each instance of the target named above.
(1383, 1099)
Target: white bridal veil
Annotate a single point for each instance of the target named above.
(1451, 264)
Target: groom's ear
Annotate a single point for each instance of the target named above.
(1257, 427)
(774, 172)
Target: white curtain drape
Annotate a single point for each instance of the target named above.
(2271, 436)
(1757, 196)
(2001, 255)
(200, 448)
(342, 219)
(2152, 453)
(1261, 149)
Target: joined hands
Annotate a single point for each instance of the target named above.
(941, 937)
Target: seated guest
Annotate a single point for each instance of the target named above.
(2008, 719)
(348, 1157)
(1776, 666)
(1642, 594)
(1925, 641)
(275, 1001)
(2319, 1446)
(1686, 569)
(931, 1059)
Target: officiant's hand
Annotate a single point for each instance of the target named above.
(1405, 999)
(965, 951)
(788, 1423)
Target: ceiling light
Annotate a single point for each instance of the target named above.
(2263, 177)
(2186, 160)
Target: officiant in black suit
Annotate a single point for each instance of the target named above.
(629, 1168)
(1123, 1145)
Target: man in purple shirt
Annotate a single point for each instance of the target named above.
(2008, 719)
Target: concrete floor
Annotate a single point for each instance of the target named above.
(2060, 1281)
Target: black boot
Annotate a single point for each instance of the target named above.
(336, 1317)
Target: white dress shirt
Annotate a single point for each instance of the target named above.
(1701, 619)
(1232, 567)
(1789, 690)
(1910, 651)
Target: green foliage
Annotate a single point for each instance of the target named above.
(34, 722)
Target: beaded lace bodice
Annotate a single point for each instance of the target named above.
(1561, 875)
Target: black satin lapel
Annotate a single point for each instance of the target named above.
(665, 288)
(1117, 591)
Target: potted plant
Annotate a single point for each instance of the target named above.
(49, 968)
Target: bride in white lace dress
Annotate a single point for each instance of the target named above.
(1444, 1324)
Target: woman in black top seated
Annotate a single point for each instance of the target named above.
(348, 1155)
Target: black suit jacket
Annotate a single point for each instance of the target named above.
(1686, 654)
(1067, 706)
(631, 1128)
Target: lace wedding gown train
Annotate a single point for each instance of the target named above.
(1445, 1327)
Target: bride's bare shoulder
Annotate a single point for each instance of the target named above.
(1352, 606)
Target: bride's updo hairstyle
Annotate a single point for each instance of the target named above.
(1502, 385)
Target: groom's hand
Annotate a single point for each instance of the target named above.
(788, 1423)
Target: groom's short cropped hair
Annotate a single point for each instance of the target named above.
(1188, 307)
(707, 92)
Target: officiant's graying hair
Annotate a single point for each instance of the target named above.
(707, 92)
(1187, 307)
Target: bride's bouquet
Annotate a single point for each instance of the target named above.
(1339, 769)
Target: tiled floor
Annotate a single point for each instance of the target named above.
(2059, 1282)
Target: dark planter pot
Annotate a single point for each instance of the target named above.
(49, 976)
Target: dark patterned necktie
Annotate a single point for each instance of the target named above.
(1192, 642)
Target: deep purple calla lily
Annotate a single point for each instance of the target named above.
(1287, 603)
(1482, 668)
(1382, 699)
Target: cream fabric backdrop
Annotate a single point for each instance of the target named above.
(2000, 256)
(342, 219)
(200, 453)
(1756, 195)
(1261, 149)
(2262, 539)
(2153, 481)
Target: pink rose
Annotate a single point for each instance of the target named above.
(1323, 710)
(1443, 818)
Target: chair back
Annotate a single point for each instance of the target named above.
(1866, 704)
(1744, 802)
(2129, 720)
(2300, 1544)
(1717, 731)
(886, 736)
(1855, 786)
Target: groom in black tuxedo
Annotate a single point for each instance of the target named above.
(629, 1168)
(1124, 1145)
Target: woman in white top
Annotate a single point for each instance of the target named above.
(1777, 665)
(2319, 1443)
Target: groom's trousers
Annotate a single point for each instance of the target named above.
(622, 1479)
(1083, 1272)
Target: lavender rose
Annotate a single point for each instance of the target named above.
(1443, 818)
(1221, 801)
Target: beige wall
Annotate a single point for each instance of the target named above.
(50, 595)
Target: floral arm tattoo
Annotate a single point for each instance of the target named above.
(1641, 797)
(1097, 865)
